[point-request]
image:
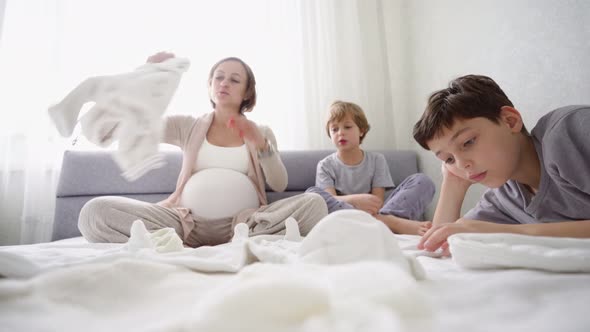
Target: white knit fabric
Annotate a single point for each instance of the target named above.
(348, 236)
(128, 109)
(162, 240)
(493, 251)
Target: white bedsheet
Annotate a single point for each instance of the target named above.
(74, 287)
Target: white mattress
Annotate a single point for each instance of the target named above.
(320, 283)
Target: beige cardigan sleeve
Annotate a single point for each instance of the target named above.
(273, 168)
(176, 129)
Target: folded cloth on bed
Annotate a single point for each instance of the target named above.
(351, 236)
(342, 237)
(162, 240)
(492, 251)
(128, 108)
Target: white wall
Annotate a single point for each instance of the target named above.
(2, 7)
(537, 50)
(395, 31)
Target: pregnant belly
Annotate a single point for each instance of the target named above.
(215, 193)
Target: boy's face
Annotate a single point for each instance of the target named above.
(345, 134)
(479, 150)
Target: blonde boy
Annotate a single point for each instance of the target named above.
(352, 178)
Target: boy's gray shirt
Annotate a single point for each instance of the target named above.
(372, 172)
(562, 141)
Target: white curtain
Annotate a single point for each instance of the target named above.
(304, 53)
(345, 57)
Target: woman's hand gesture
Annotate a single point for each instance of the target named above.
(248, 130)
(160, 57)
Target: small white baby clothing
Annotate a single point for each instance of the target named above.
(128, 109)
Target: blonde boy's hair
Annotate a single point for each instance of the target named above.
(338, 111)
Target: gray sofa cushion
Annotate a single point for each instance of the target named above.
(89, 174)
(95, 173)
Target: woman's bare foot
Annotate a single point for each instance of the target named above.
(404, 226)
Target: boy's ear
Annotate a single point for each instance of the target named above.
(512, 118)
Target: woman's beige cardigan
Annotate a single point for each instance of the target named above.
(188, 133)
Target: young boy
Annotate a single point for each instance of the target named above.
(352, 178)
(539, 182)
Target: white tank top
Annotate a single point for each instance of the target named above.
(220, 187)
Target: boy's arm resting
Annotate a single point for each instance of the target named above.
(366, 202)
(325, 179)
(577, 229)
(379, 192)
(332, 191)
(452, 194)
(436, 237)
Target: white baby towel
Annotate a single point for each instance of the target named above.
(162, 240)
(492, 251)
(342, 237)
(348, 236)
(128, 109)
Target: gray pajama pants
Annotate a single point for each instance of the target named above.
(408, 200)
(109, 219)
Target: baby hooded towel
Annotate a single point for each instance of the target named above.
(128, 109)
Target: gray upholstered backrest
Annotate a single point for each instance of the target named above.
(95, 173)
(89, 174)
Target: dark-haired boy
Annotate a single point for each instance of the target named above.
(539, 182)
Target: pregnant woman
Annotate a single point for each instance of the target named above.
(227, 161)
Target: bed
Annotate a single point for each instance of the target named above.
(349, 274)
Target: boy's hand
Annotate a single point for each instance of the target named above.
(366, 202)
(452, 193)
(436, 236)
(453, 178)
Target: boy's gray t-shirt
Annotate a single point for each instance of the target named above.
(372, 172)
(562, 141)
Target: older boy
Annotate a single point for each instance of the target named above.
(352, 178)
(539, 182)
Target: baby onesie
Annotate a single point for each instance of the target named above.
(128, 109)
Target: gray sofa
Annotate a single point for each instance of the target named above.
(88, 174)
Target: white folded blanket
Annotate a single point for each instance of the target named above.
(493, 251)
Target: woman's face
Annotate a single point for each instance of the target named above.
(227, 86)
